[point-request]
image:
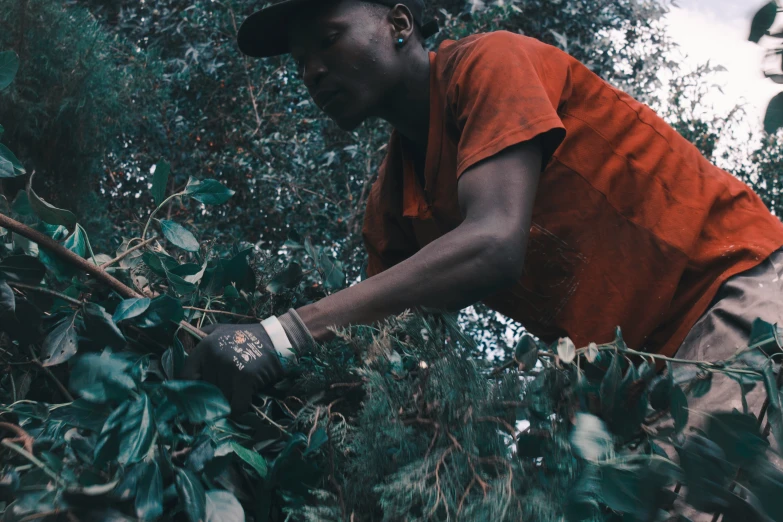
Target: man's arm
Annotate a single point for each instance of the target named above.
(481, 256)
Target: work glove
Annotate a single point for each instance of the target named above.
(245, 358)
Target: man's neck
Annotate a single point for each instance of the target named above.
(408, 111)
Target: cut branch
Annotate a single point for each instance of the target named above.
(97, 272)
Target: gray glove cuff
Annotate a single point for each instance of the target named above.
(300, 337)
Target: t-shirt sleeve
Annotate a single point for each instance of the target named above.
(501, 93)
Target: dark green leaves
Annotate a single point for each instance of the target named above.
(197, 401)
(738, 435)
(222, 506)
(101, 378)
(526, 352)
(679, 408)
(7, 300)
(707, 473)
(9, 165)
(256, 461)
(149, 492)
(49, 213)
(661, 394)
(130, 308)
(775, 410)
(61, 343)
(9, 65)
(762, 21)
(160, 180)
(179, 236)
(773, 119)
(22, 269)
(208, 191)
(161, 311)
(191, 495)
(101, 327)
(136, 431)
(289, 278)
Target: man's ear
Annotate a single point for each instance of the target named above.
(402, 22)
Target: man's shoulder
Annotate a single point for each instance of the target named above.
(496, 42)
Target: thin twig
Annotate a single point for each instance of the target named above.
(128, 252)
(29, 456)
(42, 290)
(81, 263)
(49, 373)
(221, 312)
(21, 436)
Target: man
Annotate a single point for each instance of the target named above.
(516, 177)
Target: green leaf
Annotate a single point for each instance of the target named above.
(766, 337)
(590, 438)
(679, 408)
(7, 299)
(610, 385)
(762, 21)
(136, 431)
(633, 486)
(223, 506)
(2, 131)
(256, 461)
(149, 492)
(10, 167)
(289, 278)
(101, 378)
(661, 394)
(77, 242)
(198, 401)
(738, 436)
(702, 384)
(130, 308)
(208, 191)
(179, 236)
(9, 65)
(707, 473)
(101, 327)
(331, 270)
(162, 310)
(566, 350)
(49, 213)
(775, 411)
(173, 360)
(160, 180)
(191, 495)
(526, 352)
(773, 119)
(61, 343)
(22, 269)
(81, 414)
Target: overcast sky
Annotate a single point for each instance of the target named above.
(717, 30)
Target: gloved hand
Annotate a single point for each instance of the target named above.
(241, 359)
(238, 359)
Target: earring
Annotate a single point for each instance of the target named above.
(400, 43)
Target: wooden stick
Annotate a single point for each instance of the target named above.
(127, 252)
(95, 271)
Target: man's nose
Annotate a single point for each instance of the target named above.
(314, 71)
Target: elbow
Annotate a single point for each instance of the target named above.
(502, 259)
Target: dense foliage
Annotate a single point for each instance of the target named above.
(405, 421)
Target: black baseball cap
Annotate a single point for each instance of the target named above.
(265, 33)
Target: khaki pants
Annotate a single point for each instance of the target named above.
(725, 328)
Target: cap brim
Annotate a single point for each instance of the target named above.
(265, 33)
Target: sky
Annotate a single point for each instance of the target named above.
(717, 30)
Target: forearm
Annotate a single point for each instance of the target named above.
(454, 271)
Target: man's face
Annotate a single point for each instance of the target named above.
(346, 57)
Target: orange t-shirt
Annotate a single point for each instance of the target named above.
(632, 226)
